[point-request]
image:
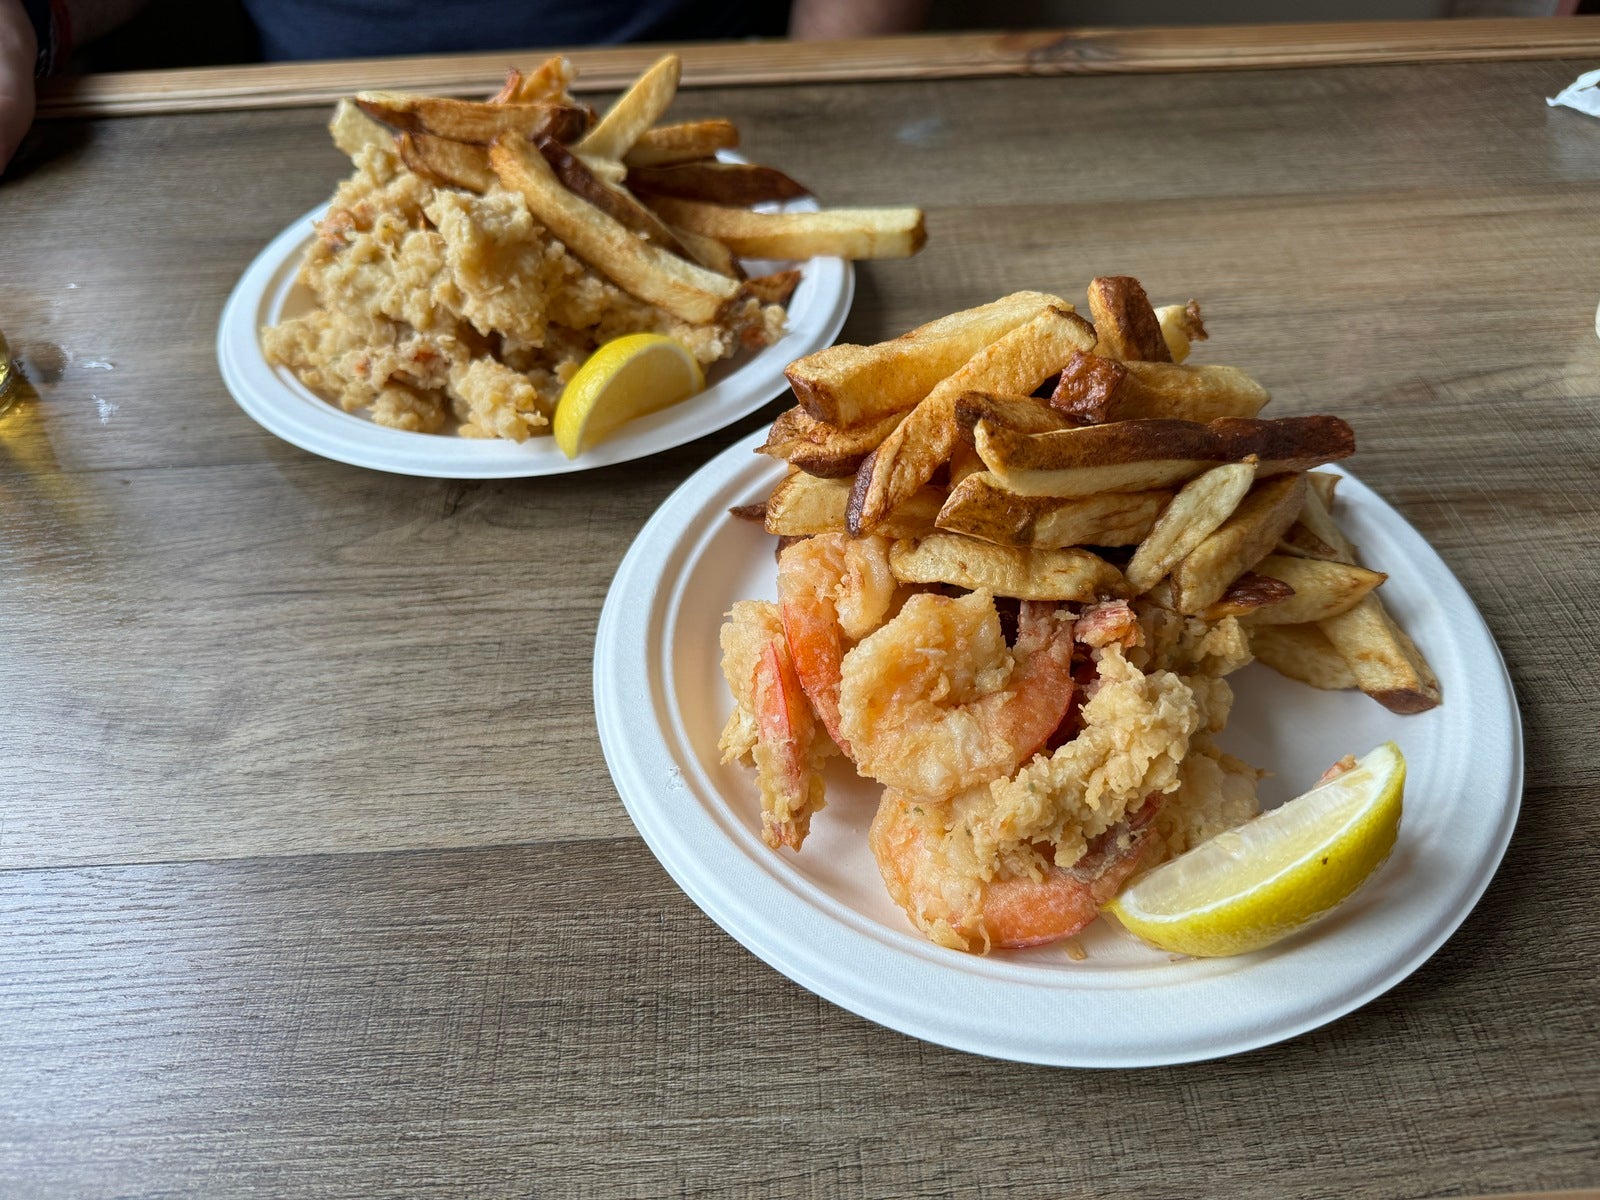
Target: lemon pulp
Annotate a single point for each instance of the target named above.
(1250, 886)
(624, 379)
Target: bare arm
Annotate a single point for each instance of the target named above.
(19, 51)
(819, 20)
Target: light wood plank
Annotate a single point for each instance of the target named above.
(493, 1023)
(926, 56)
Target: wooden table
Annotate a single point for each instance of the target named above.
(315, 882)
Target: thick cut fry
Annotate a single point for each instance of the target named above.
(1024, 414)
(846, 384)
(1125, 321)
(1180, 326)
(617, 203)
(738, 184)
(979, 507)
(441, 161)
(687, 142)
(352, 130)
(1385, 662)
(1324, 484)
(1017, 363)
(1316, 528)
(648, 272)
(1022, 573)
(804, 505)
(1250, 593)
(775, 288)
(1194, 515)
(548, 82)
(964, 463)
(1136, 456)
(1185, 393)
(833, 232)
(1086, 387)
(1302, 652)
(635, 111)
(709, 253)
(1238, 544)
(472, 120)
(1321, 589)
(819, 448)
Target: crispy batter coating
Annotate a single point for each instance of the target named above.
(436, 306)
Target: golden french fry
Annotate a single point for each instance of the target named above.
(548, 83)
(1254, 527)
(1185, 393)
(1324, 484)
(846, 384)
(1385, 662)
(833, 232)
(635, 110)
(819, 448)
(1203, 504)
(1086, 387)
(1321, 589)
(1250, 593)
(1302, 652)
(442, 161)
(1024, 414)
(1180, 326)
(472, 120)
(737, 184)
(1017, 363)
(964, 462)
(1026, 574)
(803, 505)
(608, 169)
(617, 203)
(1316, 527)
(352, 130)
(648, 272)
(1125, 321)
(1137, 456)
(687, 142)
(775, 288)
(709, 253)
(979, 507)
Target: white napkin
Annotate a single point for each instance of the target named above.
(1583, 94)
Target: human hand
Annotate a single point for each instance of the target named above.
(18, 50)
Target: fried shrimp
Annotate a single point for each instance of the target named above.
(927, 864)
(832, 590)
(935, 702)
(772, 724)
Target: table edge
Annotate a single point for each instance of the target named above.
(1052, 52)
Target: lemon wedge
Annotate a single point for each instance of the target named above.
(624, 379)
(1247, 888)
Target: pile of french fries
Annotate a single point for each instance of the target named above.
(1022, 448)
(647, 205)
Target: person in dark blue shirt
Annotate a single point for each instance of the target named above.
(37, 35)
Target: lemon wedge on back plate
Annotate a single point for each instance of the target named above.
(1250, 886)
(624, 379)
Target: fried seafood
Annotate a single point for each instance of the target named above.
(1040, 705)
(935, 701)
(483, 250)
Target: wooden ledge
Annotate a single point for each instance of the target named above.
(923, 56)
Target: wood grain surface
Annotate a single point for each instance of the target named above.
(313, 879)
(920, 56)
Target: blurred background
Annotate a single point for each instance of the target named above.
(179, 33)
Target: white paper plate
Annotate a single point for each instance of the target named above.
(268, 293)
(823, 918)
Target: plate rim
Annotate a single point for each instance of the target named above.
(626, 729)
(284, 407)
